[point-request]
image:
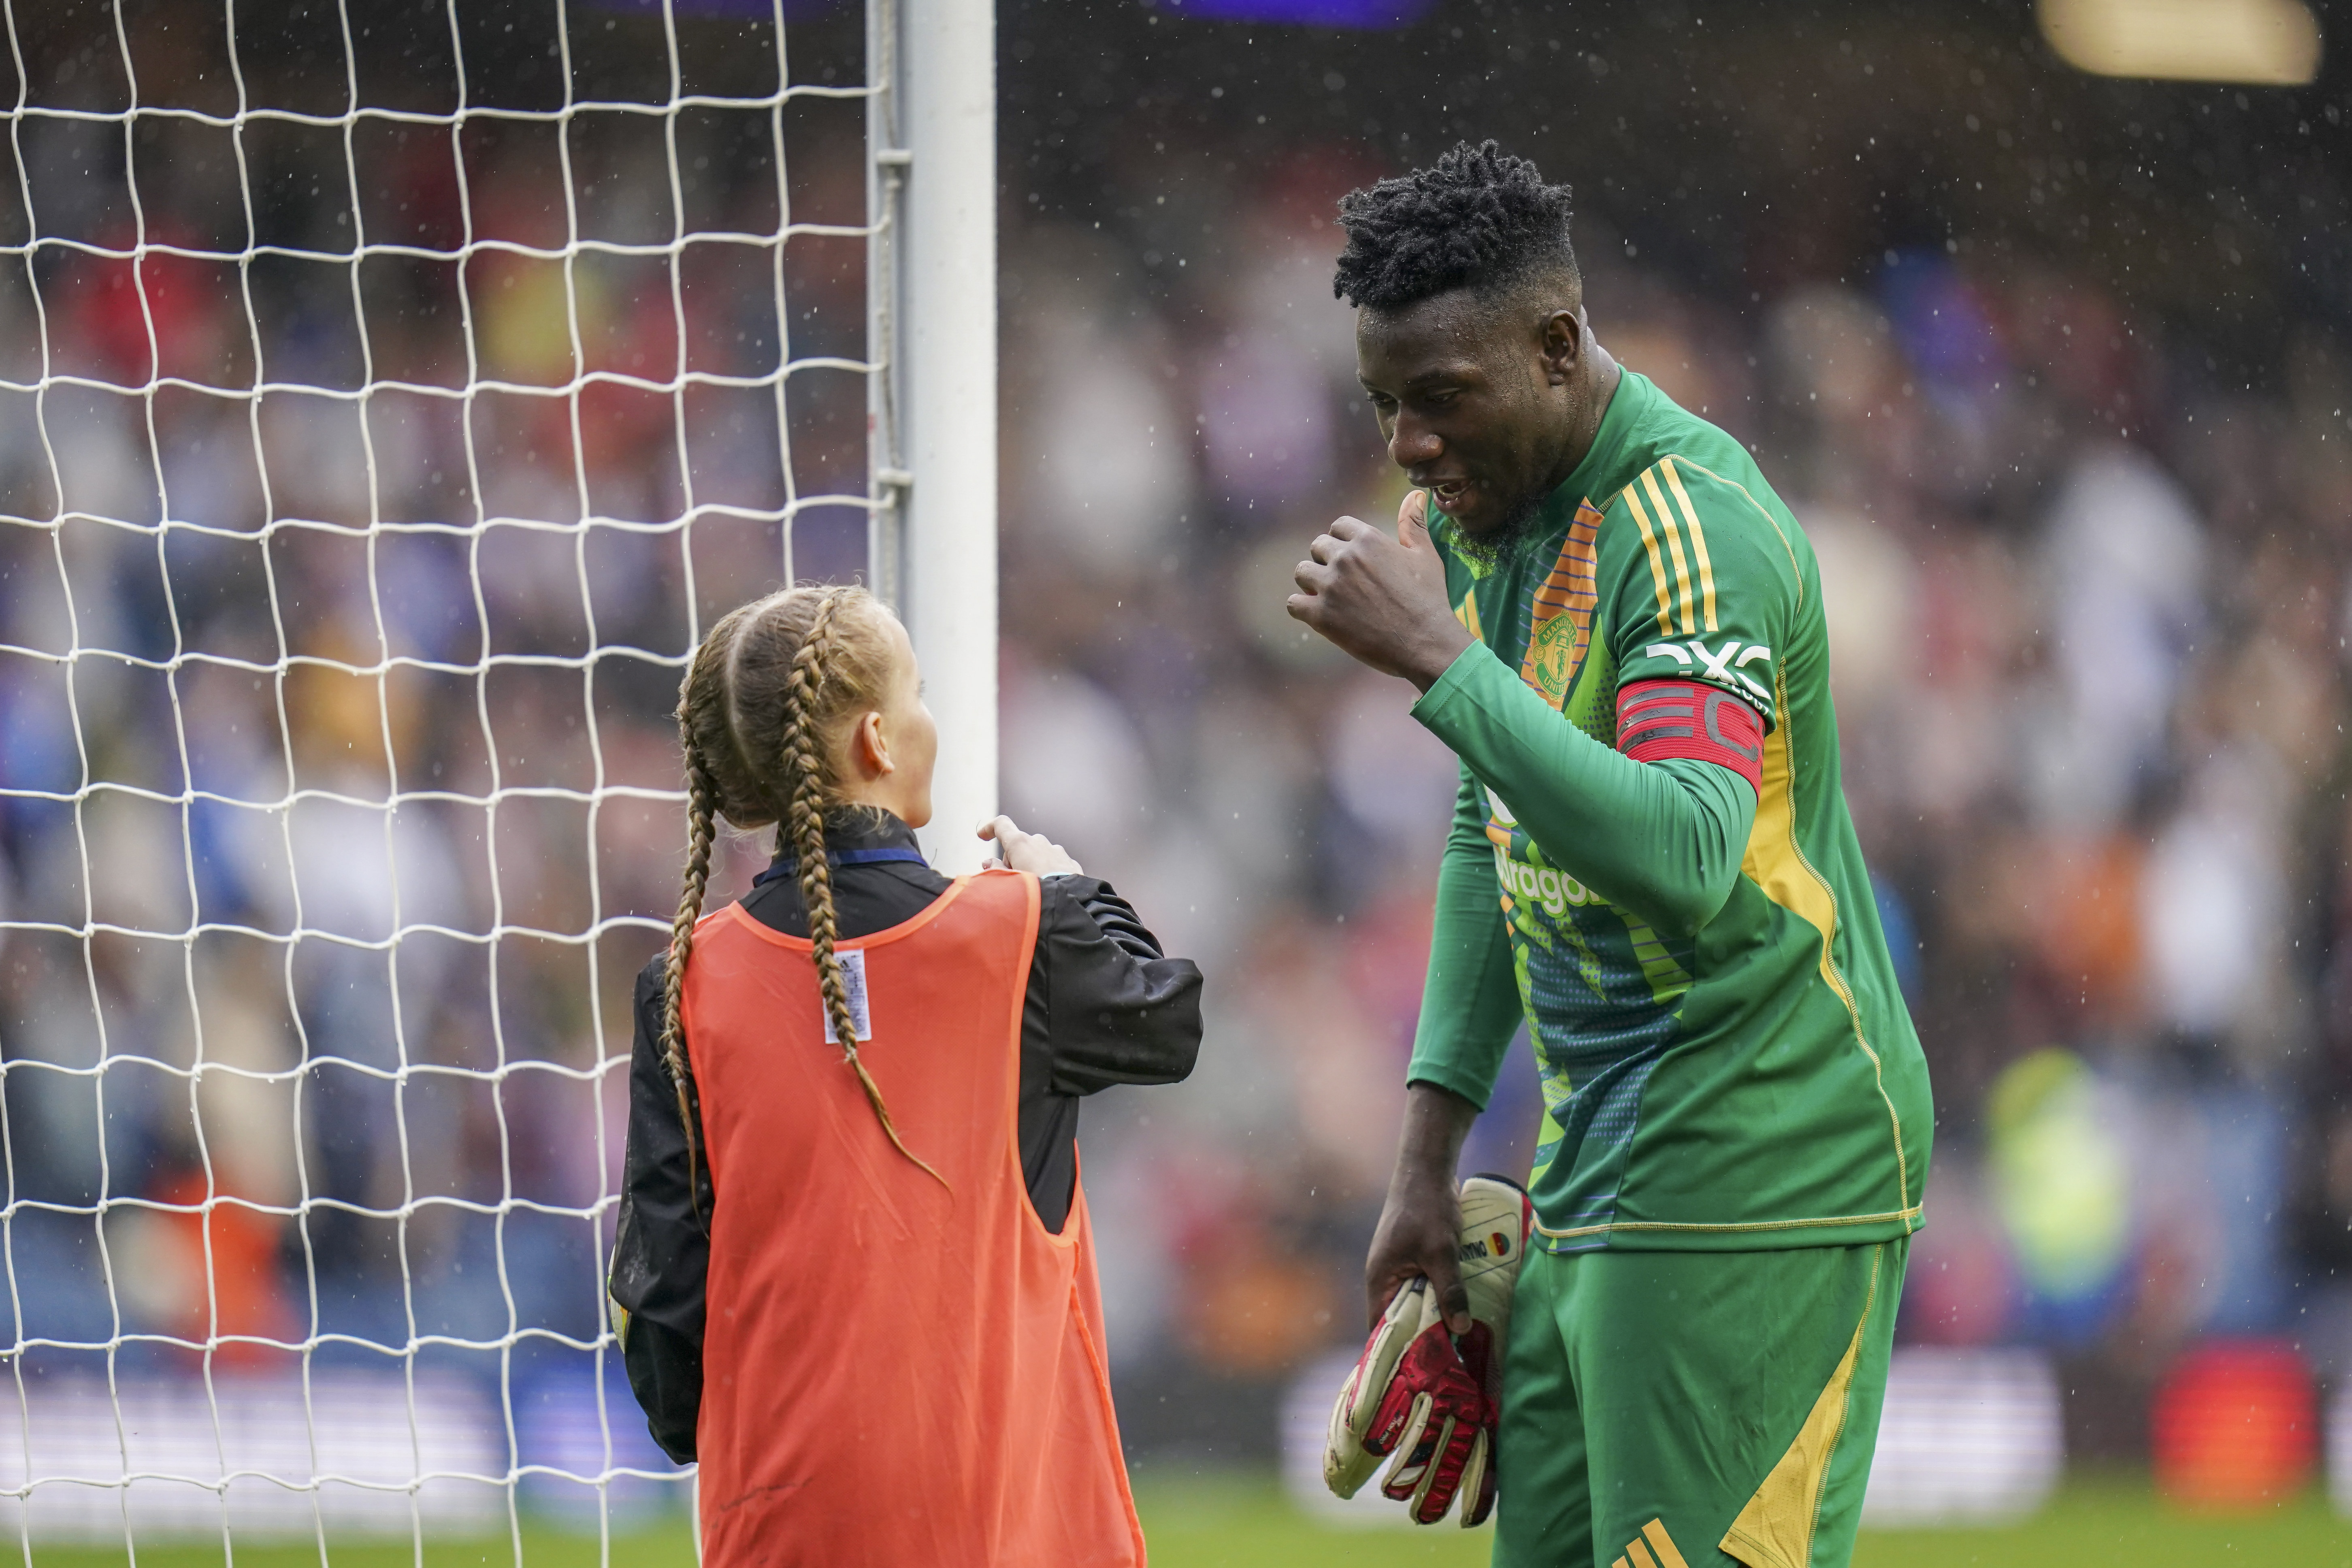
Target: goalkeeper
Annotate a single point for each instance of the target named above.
(1616, 626)
(854, 1273)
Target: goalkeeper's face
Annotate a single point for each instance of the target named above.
(1478, 400)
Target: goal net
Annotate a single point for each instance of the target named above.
(389, 395)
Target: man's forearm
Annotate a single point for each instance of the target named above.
(1470, 1002)
(1663, 840)
(1436, 1123)
(1422, 1219)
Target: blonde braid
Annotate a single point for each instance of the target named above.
(805, 823)
(701, 794)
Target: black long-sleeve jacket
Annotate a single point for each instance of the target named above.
(1104, 1007)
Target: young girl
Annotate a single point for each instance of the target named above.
(854, 1274)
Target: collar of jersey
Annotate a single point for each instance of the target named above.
(856, 838)
(1597, 471)
(782, 868)
(764, 933)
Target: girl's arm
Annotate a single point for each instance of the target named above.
(1116, 1010)
(661, 1250)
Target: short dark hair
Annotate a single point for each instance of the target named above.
(1477, 218)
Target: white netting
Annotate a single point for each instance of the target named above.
(388, 396)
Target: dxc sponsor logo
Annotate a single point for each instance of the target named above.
(1723, 665)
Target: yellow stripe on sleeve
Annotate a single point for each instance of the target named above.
(1657, 565)
(1674, 546)
(1699, 539)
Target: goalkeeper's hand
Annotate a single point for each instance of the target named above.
(1426, 1395)
(1420, 1222)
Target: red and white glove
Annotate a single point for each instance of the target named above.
(1497, 1217)
(1411, 1396)
(1431, 1400)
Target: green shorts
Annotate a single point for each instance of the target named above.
(1681, 1409)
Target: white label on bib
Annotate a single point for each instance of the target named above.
(853, 980)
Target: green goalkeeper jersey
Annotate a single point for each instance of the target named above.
(1740, 1075)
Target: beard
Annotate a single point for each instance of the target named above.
(1483, 552)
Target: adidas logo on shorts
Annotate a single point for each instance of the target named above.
(1654, 1548)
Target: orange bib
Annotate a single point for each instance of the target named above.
(895, 1373)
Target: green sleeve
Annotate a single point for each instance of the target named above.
(1470, 1004)
(1660, 839)
(1712, 592)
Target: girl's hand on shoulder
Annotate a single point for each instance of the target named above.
(1030, 852)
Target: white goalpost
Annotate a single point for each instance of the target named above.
(931, 297)
(389, 396)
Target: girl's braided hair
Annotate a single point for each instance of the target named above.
(759, 715)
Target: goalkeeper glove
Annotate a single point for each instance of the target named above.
(1411, 1396)
(1423, 1396)
(1497, 1217)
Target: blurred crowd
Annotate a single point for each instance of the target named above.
(2087, 613)
(389, 648)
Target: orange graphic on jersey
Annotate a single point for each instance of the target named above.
(1561, 626)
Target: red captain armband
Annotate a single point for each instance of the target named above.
(1661, 718)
